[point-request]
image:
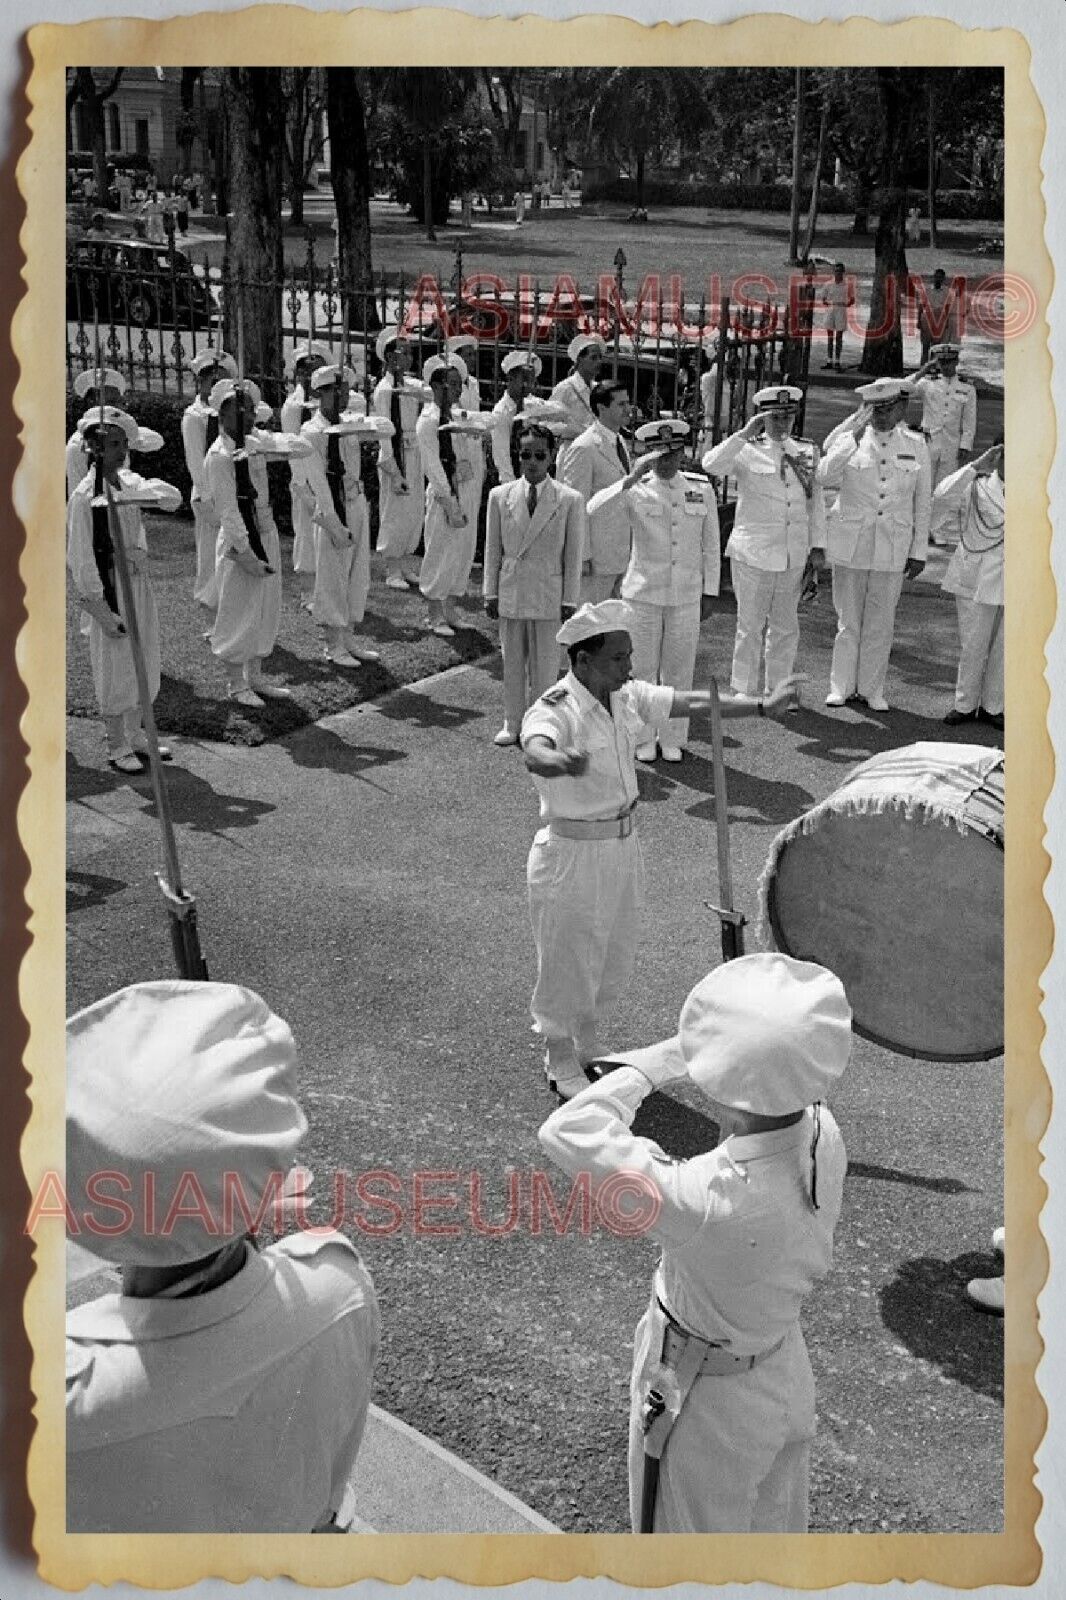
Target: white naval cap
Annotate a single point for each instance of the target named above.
(219, 359)
(461, 341)
(664, 430)
(588, 621)
(226, 388)
(947, 351)
(326, 377)
(522, 358)
(766, 1033)
(437, 364)
(778, 396)
(99, 378)
(186, 1091)
(883, 391)
(110, 417)
(583, 342)
(310, 350)
(389, 335)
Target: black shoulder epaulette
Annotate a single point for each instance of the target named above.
(552, 697)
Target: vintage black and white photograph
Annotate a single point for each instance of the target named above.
(500, 1097)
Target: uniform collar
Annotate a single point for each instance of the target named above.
(579, 383)
(122, 1319)
(744, 1147)
(604, 435)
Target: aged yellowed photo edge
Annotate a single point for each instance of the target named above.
(287, 35)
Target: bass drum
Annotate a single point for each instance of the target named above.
(895, 883)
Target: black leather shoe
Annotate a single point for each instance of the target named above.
(954, 717)
(992, 719)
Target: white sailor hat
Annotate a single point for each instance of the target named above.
(183, 1092)
(883, 391)
(778, 397)
(550, 415)
(147, 442)
(326, 377)
(665, 430)
(522, 358)
(310, 350)
(945, 351)
(109, 417)
(461, 341)
(766, 1033)
(226, 388)
(588, 621)
(437, 364)
(583, 342)
(214, 358)
(97, 379)
(390, 335)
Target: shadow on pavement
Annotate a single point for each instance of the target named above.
(82, 782)
(926, 1307)
(914, 1180)
(867, 733)
(407, 705)
(773, 800)
(85, 889)
(196, 804)
(316, 746)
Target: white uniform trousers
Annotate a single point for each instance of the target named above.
(866, 617)
(303, 533)
(445, 569)
(401, 515)
(342, 578)
(114, 675)
(766, 601)
(530, 663)
(738, 1458)
(249, 606)
(585, 902)
(205, 585)
(664, 651)
(980, 676)
(943, 457)
(597, 586)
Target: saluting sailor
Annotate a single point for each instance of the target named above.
(973, 501)
(597, 460)
(470, 446)
(877, 535)
(673, 570)
(574, 392)
(447, 454)
(249, 551)
(949, 409)
(109, 433)
(534, 538)
(297, 407)
(722, 1410)
(585, 873)
(401, 508)
(199, 430)
(334, 475)
(521, 369)
(778, 535)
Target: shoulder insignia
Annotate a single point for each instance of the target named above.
(552, 697)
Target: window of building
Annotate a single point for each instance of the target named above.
(140, 132)
(522, 150)
(81, 127)
(114, 127)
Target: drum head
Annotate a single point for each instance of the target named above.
(909, 915)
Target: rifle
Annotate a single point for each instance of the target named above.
(732, 920)
(246, 492)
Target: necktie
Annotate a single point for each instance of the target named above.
(623, 453)
(397, 423)
(532, 498)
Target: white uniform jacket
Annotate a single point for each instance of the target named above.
(949, 409)
(292, 421)
(412, 397)
(572, 393)
(977, 507)
(194, 421)
(315, 432)
(77, 461)
(503, 414)
(590, 465)
(672, 528)
(533, 564)
(776, 522)
(220, 477)
(881, 517)
(84, 572)
(571, 717)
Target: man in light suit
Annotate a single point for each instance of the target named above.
(573, 393)
(878, 534)
(534, 538)
(596, 460)
(778, 533)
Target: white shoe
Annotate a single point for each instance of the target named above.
(270, 691)
(877, 704)
(125, 761)
(341, 657)
(998, 1240)
(246, 697)
(645, 752)
(361, 652)
(396, 580)
(832, 699)
(443, 630)
(986, 1294)
(505, 736)
(563, 1069)
(140, 744)
(671, 752)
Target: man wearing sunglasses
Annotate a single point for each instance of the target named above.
(585, 873)
(534, 539)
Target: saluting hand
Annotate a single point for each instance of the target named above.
(988, 462)
(754, 426)
(643, 466)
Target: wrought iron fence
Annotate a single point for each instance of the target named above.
(149, 309)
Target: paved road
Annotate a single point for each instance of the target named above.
(367, 875)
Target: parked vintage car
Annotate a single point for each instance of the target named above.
(130, 280)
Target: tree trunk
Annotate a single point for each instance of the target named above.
(882, 354)
(863, 194)
(427, 184)
(797, 167)
(350, 177)
(640, 181)
(255, 111)
(812, 212)
(934, 242)
(296, 146)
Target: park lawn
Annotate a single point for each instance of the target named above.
(192, 698)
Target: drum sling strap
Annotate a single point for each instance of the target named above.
(335, 476)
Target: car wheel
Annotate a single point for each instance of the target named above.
(140, 307)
